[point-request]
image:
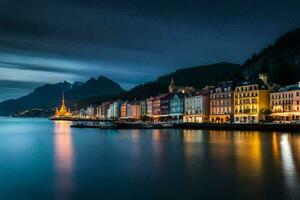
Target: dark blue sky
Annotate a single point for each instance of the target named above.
(46, 41)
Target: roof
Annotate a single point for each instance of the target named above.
(289, 88)
(259, 82)
(203, 92)
(223, 85)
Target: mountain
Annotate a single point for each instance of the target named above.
(280, 60)
(49, 96)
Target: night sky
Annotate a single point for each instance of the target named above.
(130, 42)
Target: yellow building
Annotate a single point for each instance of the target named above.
(251, 99)
(63, 111)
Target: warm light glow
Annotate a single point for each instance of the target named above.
(63, 111)
(192, 136)
(249, 155)
(64, 157)
(289, 171)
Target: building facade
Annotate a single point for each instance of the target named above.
(136, 111)
(222, 102)
(250, 100)
(177, 105)
(123, 110)
(285, 103)
(197, 107)
(149, 106)
(104, 110)
(156, 105)
(114, 109)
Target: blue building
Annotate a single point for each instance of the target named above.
(177, 105)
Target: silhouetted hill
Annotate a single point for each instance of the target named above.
(197, 77)
(49, 96)
(280, 60)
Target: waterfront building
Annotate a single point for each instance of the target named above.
(165, 105)
(285, 103)
(123, 110)
(156, 105)
(222, 102)
(143, 107)
(197, 107)
(129, 110)
(177, 105)
(110, 112)
(82, 113)
(98, 112)
(251, 99)
(149, 106)
(90, 113)
(114, 110)
(63, 111)
(136, 111)
(104, 110)
(160, 107)
(126, 110)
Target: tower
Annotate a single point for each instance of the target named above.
(172, 86)
(63, 111)
(264, 78)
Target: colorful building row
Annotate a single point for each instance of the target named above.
(227, 102)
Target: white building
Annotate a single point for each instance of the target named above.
(197, 107)
(90, 112)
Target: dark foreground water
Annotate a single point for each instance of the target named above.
(40, 159)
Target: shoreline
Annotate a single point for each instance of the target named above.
(195, 126)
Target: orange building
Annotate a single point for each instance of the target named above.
(136, 111)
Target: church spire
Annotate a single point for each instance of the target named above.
(63, 98)
(172, 86)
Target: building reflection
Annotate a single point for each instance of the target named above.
(64, 157)
(221, 149)
(157, 149)
(136, 144)
(248, 153)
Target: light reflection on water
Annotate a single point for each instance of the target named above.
(45, 159)
(64, 158)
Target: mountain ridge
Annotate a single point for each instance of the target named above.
(49, 96)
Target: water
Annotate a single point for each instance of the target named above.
(41, 159)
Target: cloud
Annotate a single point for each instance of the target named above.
(131, 42)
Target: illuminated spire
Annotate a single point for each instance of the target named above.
(63, 99)
(172, 85)
(63, 111)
